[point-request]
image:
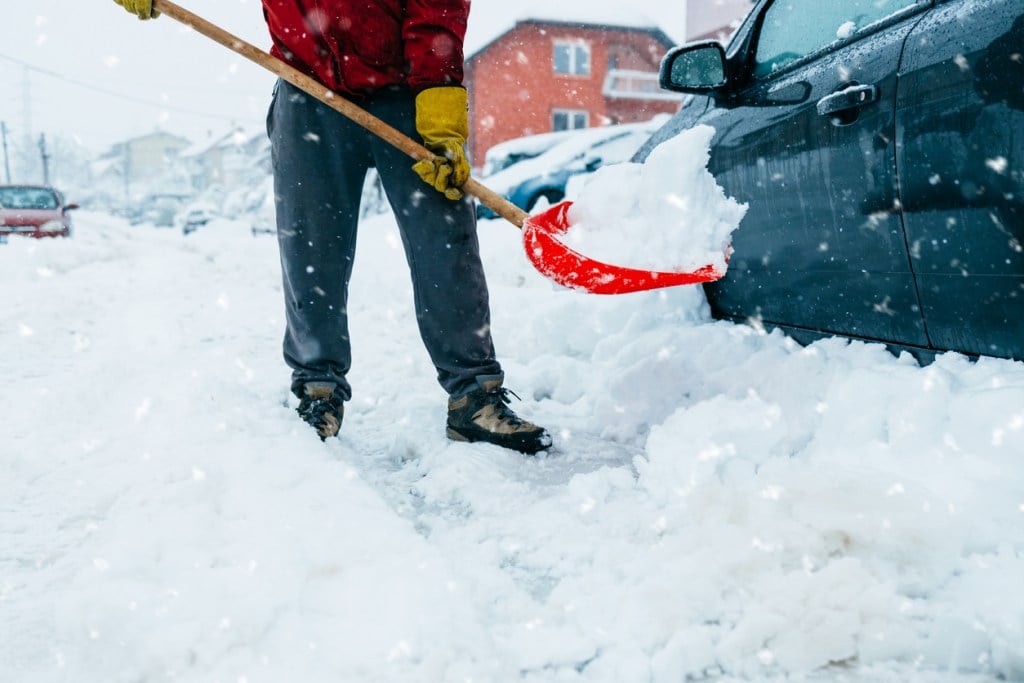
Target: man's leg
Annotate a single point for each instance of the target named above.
(320, 160)
(441, 246)
(450, 295)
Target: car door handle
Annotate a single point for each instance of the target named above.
(853, 97)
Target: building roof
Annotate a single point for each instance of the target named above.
(657, 33)
(235, 137)
(117, 149)
(487, 29)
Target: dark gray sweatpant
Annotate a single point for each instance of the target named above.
(320, 161)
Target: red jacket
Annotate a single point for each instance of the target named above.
(355, 46)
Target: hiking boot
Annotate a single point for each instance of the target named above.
(484, 415)
(322, 408)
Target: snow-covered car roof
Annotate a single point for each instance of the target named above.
(515, 151)
(573, 148)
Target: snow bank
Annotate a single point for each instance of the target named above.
(667, 214)
(722, 504)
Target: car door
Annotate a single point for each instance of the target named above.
(806, 136)
(960, 133)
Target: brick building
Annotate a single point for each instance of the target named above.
(546, 75)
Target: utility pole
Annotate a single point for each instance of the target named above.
(45, 157)
(7, 160)
(26, 104)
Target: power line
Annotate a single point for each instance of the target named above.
(112, 93)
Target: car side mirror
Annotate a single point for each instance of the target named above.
(71, 206)
(593, 163)
(694, 68)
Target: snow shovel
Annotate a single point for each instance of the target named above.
(548, 255)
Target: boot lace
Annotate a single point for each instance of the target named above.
(499, 398)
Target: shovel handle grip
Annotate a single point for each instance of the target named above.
(314, 88)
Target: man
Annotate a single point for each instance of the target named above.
(401, 60)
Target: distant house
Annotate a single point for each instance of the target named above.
(134, 167)
(548, 75)
(145, 156)
(231, 159)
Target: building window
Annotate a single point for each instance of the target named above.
(635, 85)
(569, 119)
(572, 58)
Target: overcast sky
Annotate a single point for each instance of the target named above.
(89, 70)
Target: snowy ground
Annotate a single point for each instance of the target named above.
(721, 504)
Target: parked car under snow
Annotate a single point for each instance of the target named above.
(511, 152)
(880, 146)
(33, 211)
(195, 216)
(544, 177)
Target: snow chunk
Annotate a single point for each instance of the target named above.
(666, 214)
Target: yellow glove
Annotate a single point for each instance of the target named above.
(442, 119)
(143, 9)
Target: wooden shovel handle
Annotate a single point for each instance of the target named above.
(314, 88)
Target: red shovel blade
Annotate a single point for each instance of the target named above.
(571, 269)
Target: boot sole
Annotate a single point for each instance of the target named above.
(511, 444)
(456, 436)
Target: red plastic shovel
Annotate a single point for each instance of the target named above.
(567, 267)
(549, 256)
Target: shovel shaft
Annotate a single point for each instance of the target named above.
(314, 88)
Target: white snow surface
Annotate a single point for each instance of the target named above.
(667, 214)
(720, 504)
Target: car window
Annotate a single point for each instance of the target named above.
(27, 198)
(793, 29)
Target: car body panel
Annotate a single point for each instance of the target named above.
(822, 244)
(862, 220)
(960, 118)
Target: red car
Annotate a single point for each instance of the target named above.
(33, 210)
